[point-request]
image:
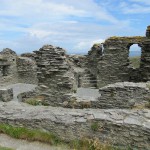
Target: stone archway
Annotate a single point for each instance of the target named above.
(134, 55)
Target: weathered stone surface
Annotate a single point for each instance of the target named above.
(6, 94)
(123, 95)
(114, 66)
(8, 66)
(27, 70)
(119, 127)
(94, 56)
(54, 72)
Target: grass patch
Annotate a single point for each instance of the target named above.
(30, 135)
(92, 144)
(135, 61)
(95, 126)
(46, 137)
(36, 102)
(5, 148)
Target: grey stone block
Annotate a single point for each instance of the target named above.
(6, 94)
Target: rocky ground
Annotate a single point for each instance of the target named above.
(20, 88)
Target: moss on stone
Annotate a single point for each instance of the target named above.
(36, 101)
(94, 126)
(96, 44)
(131, 39)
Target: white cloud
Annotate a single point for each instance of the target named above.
(146, 2)
(135, 47)
(71, 24)
(136, 7)
(86, 44)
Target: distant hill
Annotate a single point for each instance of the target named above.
(134, 53)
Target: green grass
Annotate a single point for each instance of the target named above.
(90, 144)
(5, 148)
(36, 102)
(46, 137)
(30, 135)
(135, 61)
(95, 126)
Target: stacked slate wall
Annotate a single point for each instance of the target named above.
(56, 79)
(145, 61)
(123, 95)
(27, 70)
(93, 57)
(10, 69)
(114, 65)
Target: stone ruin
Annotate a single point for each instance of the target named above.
(118, 89)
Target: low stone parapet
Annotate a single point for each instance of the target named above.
(123, 95)
(122, 128)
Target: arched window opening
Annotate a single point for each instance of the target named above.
(135, 55)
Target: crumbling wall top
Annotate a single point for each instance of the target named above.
(2, 58)
(8, 51)
(132, 39)
(124, 41)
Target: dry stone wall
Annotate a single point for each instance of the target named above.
(9, 67)
(122, 128)
(27, 70)
(123, 95)
(114, 66)
(145, 61)
(56, 79)
(94, 56)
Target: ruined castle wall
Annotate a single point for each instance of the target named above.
(28, 55)
(114, 66)
(55, 76)
(145, 62)
(81, 69)
(27, 70)
(93, 57)
(10, 75)
(79, 64)
(145, 57)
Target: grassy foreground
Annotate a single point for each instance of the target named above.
(36, 135)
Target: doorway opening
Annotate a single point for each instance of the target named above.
(135, 55)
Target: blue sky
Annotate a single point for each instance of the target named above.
(26, 25)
